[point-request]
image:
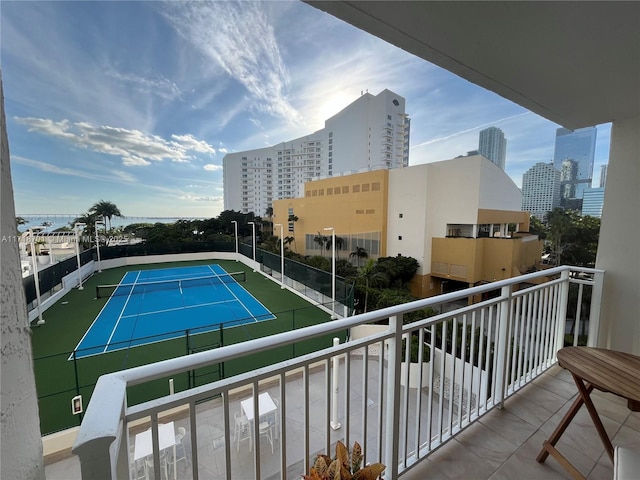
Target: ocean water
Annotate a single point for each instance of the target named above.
(55, 221)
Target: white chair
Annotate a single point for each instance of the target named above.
(218, 446)
(138, 470)
(242, 430)
(180, 452)
(266, 431)
(275, 419)
(148, 466)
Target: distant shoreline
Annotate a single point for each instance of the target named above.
(53, 221)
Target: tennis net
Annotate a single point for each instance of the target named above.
(121, 289)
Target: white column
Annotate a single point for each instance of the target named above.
(618, 252)
(21, 439)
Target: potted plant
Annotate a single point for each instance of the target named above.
(415, 369)
(345, 466)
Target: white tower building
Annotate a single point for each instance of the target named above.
(370, 133)
(493, 145)
(540, 189)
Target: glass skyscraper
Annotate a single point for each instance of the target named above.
(578, 147)
(493, 145)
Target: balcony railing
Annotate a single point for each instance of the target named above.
(476, 354)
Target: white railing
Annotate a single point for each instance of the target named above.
(478, 354)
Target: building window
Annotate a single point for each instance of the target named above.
(399, 215)
(356, 188)
(365, 187)
(330, 191)
(345, 189)
(375, 186)
(399, 237)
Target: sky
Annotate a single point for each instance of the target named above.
(137, 103)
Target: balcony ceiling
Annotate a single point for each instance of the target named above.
(575, 63)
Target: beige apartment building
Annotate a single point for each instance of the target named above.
(459, 218)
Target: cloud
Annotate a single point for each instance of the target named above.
(200, 198)
(191, 143)
(212, 168)
(112, 176)
(134, 147)
(159, 85)
(239, 37)
(461, 132)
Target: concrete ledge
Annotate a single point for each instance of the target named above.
(57, 446)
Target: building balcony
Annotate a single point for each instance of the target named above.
(481, 416)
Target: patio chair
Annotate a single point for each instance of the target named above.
(137, 467)
(180, 452)
(266, 431)
(164, 470)
(242, 430)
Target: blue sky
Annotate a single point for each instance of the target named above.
(138, 102)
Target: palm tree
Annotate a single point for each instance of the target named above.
(339, 243)
(287, 241)
(372, 278)
(293, 219)
(359, 253)
(320, 240)
(106, 210)
(269, 213)
(21, 221)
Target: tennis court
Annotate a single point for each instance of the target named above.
(155, 305)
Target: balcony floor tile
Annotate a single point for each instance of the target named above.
(503, 445)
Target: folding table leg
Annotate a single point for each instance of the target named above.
(562, 426)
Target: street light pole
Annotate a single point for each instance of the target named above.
(77, 227)
(333, 272)
(281, 254)
(101, 222)
(235, 229)
(36, 280)
(253, 230)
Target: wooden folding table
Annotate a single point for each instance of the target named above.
(604, 370)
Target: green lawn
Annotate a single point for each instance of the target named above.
(58, 380)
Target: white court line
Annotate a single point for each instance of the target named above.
(252, 296)
(174, 276)
(115, 327)
(91, 326)
(178, 308)
(234, 295)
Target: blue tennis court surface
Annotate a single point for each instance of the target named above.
(154, 305)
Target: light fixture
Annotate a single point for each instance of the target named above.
(281, 254)
(333, 271)
(76, 228)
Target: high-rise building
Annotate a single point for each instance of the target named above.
(603, 175)
(371, 133)
(592, 202)
(578, 146)
(540, 190)
(493, 145)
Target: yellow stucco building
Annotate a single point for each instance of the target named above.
(459, 218)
